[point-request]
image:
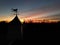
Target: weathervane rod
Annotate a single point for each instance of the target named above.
(15, 10)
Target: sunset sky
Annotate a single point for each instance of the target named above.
(40, 9)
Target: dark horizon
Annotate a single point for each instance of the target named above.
(16, 33)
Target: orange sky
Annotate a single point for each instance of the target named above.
(31, 15)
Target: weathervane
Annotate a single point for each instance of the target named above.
(15, 11)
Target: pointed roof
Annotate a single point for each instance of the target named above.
(15, 20)
(14, 28)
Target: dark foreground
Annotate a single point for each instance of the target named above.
(42, 33)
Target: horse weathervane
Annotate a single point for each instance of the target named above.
(15, 11)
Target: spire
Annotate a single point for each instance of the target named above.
(15, 26)
(15, 20)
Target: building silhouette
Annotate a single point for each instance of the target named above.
(14, 29)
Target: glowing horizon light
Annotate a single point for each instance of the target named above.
(22, 20)
(41, 21)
